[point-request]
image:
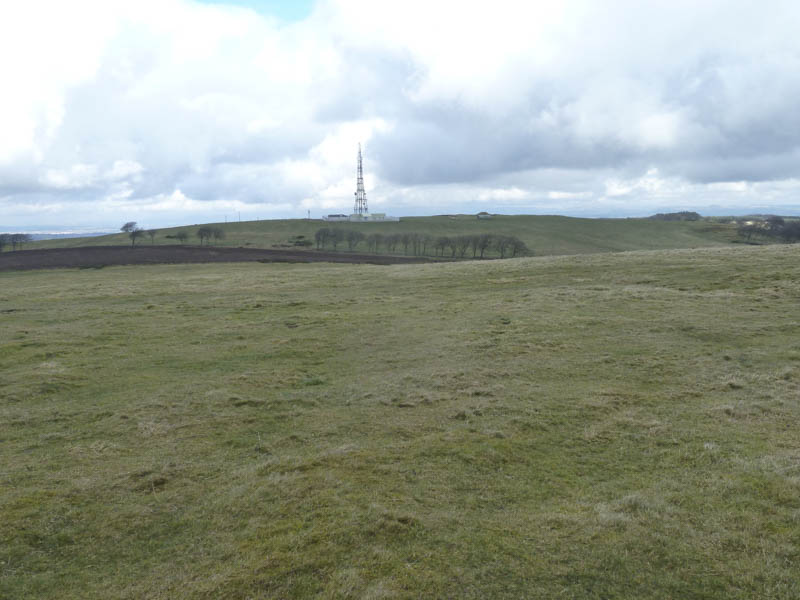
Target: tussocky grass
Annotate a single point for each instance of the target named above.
(598, 426)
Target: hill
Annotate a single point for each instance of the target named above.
(545, 235)
(596, 426)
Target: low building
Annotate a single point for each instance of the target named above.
(371, 218)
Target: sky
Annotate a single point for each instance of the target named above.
(170, 112)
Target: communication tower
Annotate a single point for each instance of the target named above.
(360, 206)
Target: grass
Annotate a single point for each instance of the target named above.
(545, 235)
(598, 426)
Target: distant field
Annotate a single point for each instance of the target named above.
(597, 426)
(545, 235)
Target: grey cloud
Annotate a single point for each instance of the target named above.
(702, 94)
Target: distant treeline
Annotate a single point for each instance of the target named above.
(423, 244)
(677, 216)
(770, 227)
(15, 240)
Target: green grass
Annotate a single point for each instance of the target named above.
(598, 426)
(545, 235)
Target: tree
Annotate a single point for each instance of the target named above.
(484, 243)
(518, 247)
(182, 236)
(204, 233)
(748, 228)
(354, 238)
(440, 244)
(336, 237)
(452, 244)
(775, 224)
(424, 240)
(18, 239)
(5, 240)
(502, 243)
(416, 243)
(128, 227)
(474, 242)
(152, 233)
(135, 234)
(374, 241)
(321, 237)
(462, 243)
(217, 233)
(391, 242)
(405, 239)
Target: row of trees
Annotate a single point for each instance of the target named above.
(422, 244)
(134, 232)
(15, 240)
(205, 233)
(770, 227)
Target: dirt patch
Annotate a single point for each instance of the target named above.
(96, 257)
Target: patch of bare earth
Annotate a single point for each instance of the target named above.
(103, 256)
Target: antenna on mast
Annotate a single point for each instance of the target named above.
(360, 206)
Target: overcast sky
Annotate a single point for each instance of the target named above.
(179, 111)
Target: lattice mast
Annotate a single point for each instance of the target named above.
(360, 206)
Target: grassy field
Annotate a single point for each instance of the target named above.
(598, 426)
(545, 235)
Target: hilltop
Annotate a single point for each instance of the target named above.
(544, 235)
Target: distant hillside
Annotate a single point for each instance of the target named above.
(544, 235)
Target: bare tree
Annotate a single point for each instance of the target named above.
(415, 242)
(405, 239)
(392, 241)
(374, 241)
(484, 243)
(502, 243)
(18, 239)
(474, 242)
(425, 240)
(152, 234)
(128, 227)
(354, 238)
(336, 237)
(452, 244)
(441, 243)
(462, 243)
(321, 237)
(182, 236)
(135, 234)
(217, 233)
(5, 240)
(204, 233)
(518, 247)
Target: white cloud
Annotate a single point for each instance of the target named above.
(578, 106)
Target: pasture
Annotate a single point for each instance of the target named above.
(544, 235)
(592, 426)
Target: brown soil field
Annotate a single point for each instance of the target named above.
(103, 256)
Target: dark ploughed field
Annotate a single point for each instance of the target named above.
(103, 256)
